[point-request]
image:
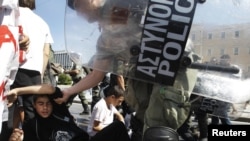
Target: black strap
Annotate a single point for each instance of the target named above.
(37, 135)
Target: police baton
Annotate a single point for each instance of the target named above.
(187, 62)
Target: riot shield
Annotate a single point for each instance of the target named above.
(150, 35)
(147, 40)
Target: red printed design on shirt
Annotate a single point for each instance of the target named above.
(7, 36)
(9, 49)
(2, 88)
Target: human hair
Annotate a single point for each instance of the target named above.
(116, 90)
(28, 3)
(36, 96)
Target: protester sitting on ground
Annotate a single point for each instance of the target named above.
(102, 118)
(54, 117)
(52, 121)
(124, 108)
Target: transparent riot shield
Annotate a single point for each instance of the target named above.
(147, 40)
(116, 35)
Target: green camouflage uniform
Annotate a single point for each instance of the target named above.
(161, 105)
(81, 95)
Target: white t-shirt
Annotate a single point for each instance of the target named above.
(9, 50)
(101, 113)
(39, 33)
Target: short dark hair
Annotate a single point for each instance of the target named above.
(36, 96)
(28, 3)
(71, 4)
(115, 90)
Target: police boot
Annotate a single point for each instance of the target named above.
(86, 110)
(160, 133)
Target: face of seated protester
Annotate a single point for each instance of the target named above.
(114, 95)
(43, 106)
(117, 101)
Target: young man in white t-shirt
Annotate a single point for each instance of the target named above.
(106, 122)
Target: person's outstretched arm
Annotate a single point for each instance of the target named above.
(121, 82)
(35, 89)
(90, 81)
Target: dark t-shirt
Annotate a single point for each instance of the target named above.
(60, 126)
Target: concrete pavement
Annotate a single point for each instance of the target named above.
(82, 120)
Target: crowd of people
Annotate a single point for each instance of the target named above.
(40, 112)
